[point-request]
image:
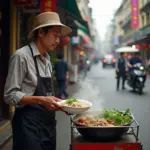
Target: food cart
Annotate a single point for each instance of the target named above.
(129, 141)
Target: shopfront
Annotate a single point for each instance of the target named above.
(4, 53)
(25, 16)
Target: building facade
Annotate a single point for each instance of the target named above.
(138, 35)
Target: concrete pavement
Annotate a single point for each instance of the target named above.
(100, 88)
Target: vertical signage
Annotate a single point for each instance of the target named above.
(48, 5)
(134, 14)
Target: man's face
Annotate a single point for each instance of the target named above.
(137, 56)
(50, 40)
(122, 55)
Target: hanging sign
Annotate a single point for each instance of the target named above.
(48, 5)
(134, 14)
(75, 40)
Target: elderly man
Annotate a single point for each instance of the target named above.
(29, 86)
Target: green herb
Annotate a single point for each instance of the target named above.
(120, 118)
(71, 100)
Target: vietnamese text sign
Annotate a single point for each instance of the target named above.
(48, 5)
(134, 14)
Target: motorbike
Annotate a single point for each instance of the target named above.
(136, 79)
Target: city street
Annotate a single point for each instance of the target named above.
(100, 88)
(104, 79)
(71, 37)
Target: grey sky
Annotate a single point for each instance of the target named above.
(103, 11)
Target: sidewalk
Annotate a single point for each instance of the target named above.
(5, 133)
(63, 128)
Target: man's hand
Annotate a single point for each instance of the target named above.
(67, 77)
(117, 69)
(129, 65)
(50, 103)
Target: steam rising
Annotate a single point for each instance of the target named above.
(88, 90)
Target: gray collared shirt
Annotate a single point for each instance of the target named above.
(22, 75)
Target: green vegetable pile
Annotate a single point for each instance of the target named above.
(120, 118)
(71, 100)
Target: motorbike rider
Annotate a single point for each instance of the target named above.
(121, 71)
(132, 61)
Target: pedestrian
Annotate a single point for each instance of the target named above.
(82, 69)
(62, 75)
(29, 86)
(121, 71)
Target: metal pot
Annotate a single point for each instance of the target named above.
(100, 133)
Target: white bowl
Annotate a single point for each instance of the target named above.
(75, 110)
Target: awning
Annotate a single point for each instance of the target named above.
(82, 27)
(71, 7)
(86, 38)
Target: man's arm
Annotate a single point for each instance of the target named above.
(12, 93)
(117, 64)
(129, 63)
(67, 71)
(16, 73)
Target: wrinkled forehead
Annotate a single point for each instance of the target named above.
(56, 29)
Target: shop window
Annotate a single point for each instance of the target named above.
(148, 18)
(142, 21)
(25, 23)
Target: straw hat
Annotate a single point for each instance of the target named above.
(48, 19)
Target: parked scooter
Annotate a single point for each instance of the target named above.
(136, 79)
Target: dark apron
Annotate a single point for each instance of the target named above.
(122, 67)
(34, 127)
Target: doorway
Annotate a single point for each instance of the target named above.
(4, 54)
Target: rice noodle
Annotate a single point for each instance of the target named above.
(77, 104)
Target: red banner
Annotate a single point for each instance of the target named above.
(22, 2)
(48, 5)
(134, 13)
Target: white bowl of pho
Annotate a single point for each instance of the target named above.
(75, 106)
